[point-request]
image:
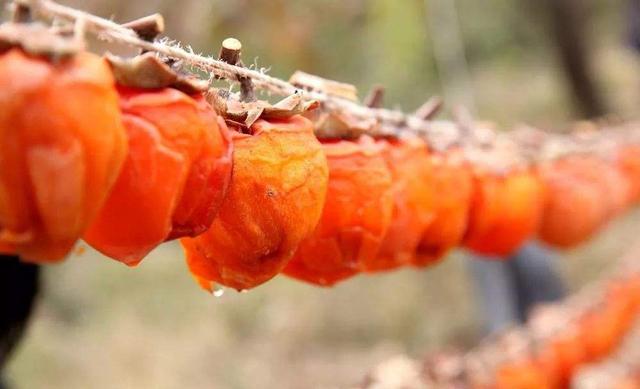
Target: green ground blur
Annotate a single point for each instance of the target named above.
(102, 325)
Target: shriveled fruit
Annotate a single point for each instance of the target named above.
(356, 215)
(452, 184)
(62, 145)
(174, 178)
(275, 200)
(575, 207)
(413, 202)
(505, 211)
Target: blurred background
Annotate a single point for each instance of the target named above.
(101, 325)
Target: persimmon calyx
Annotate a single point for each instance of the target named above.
(243, 114)
(149, 71)
(38, 39)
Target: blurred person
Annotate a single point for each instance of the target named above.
(18, 289)
(508, 288)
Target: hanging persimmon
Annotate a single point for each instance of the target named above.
(413, 202)
(569, 353)
(606, 176)
(275, 201)
(174, 178)
(575, 207)
(356, 215)
(522, 374)
(628, 159)
(62, 145)
(452, 183)
(505, 211)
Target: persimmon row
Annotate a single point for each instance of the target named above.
(128, 154)
(549, 351)
(594, 336)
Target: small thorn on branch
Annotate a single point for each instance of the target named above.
(429, 109)
(375, 98)
(21, 12)
(148, 27)
(230, 52)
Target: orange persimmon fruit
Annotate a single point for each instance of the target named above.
(356, 215)
(174, 178)
(413, 202)
(524, 374)
(452, 183)
(569, 354)
(575, 207)
(628, 159)
(505, 211)
(62, 145)
(275, 201)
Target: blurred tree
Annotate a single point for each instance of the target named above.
(567, 23)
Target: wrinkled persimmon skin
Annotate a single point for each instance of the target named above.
(275, 200)
(575, 207)
(355, 218)
(174, 178)
(505, 211)
(62, 145)
(413, 202)
(452, 183)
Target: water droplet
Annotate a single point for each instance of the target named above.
(218, 291)
(243, 290)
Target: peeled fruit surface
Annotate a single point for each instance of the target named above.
(576, 206)
(452, 183)
(62, 145)
(413, 202)
(174, 178)
(275, 201)
(505, 211)
(356, 215)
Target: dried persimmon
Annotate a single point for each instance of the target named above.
(452, 183)
(356, 215)
(575, 207)
(628, 159)
(275, 200)
(174, 178)
(523, 374)
(505, 211)
(413, 202)
(62, 145)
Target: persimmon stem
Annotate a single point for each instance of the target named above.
(430, 108)
(230, 52)
(21, 13)
(375, 98)
(148, 27)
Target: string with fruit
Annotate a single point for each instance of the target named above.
(129, 153)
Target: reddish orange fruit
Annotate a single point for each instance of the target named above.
(569, 355)
(524, 374)
(275, 200)
(628, 159)
(575, 207)
(413, 202)
(174, 178)
(505, 211)
(356, 215)
(452, 184)
(62, 145)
